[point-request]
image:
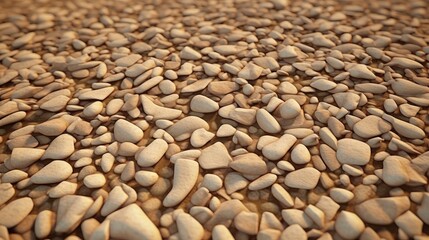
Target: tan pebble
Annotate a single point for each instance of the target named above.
(151, 154)
(348, 225)
(354, 152)
(249, 163)
(14, 212)
(371, 211)
(56, 171)
(305, 178)
(60, 148)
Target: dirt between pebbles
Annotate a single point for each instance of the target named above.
(214, 119)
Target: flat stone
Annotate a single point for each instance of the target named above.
(158, 112)
(382, 211)
(304, 178)
(14, 212)
(267, 62)
(54, 127)
(300, 154)
(215, 156)
(371, 126)
(361, 71)
(395, 171)
(98, 94)
(348, 225)
(56, 171)
(296, 216)
(183, 128)
(71, 209)
(23, 157)
(96, 180)
(116, 198)
(132, 223)
(250, 72)
(410, 224)
(282, 195)
(146, 178)
(354, 152)
(226, 211)
(185, 176)
(203, 104)
(189, 54)
(60, 148)
(7, 191)
(125, 131)
(294, 231)
(188, 227)
(247, 222)
(249, 163)
(151, 154)
(277, 149)
(128, 60)
(267, 122)
(290, 109)
(404, 63)
(201, 137)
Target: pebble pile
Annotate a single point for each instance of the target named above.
(218, 120)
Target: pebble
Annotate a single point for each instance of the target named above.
(290, 109)
(188, 227)
(201, 137)
(16, 211)
(54, 172)
(189, 54)
(12, 118)
(44, 223)
(7, 191)
(341, 195)
(277, 149)
(151, 154)
(354, 152)
(410, 224)
(128, 60)
(96, 180)
(348, 225)
(395, 171)
(203, 104)
(93, 109)
(288, 52)
(54, 127)
(98, 94)
(214, 157)
(185, 176)
(247, 222)
(304, 178)
(183, 128)
(294, 231)
(404, 63)
(250, 72)
(371, 126)
(267, 122)
(282, 195)
(146, 178)
(361, 71)
(125, 131)
(158, 112)
(60, 148)
(300, 154)
(131, 222)
(212, 182)
(296, 216)
(23, 157)
(220, 232)
(263, 182)
(382, 211)
(249, 163)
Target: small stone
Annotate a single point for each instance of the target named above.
(382, 211)
(7, 191)
(348, 225)
(305, 178)
(404, 63)
(262, 182)
(300, 154)
(295, 232)
(211, 69)
(183, 128)
(125, 131)
(267, 62)
(14, 212)
(96, 180)
(215, 156)
(203, 104)
(212, 182)
(247, 222)
(146, 178)
(151, 154)
(128, 60)
(354, 152)
(282, 195)
(93, 109)
(116, 198)
(288, 52)
(132, 223)
(188, 227)
(290, 109)
(56, 171)
(220, 232)
(188, 53)
(44, 223)
(185, 176)
(158, 112)
(249, 163)
(395, 171)
(410, 224)
(98, 94)
(60, 148)
(340, 195)
(277, 149)
(296, 216)
(250, 72)
(267, 122)
(54, 127)
(201, 137)
(371, 126)
(71, 209)
(23, 157)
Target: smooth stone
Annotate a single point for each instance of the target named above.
(220, 232)
(14, 212)
(151, 154)
(54, 127)
(23, 157)
(125, 131)
(234, 181)
(44, 223)
(128, 60)
(96, 180)
(188, 227)
(98, 94)
(282, 195)
(225, 212)
(183, 128)
(225, 130)
(201, 137)
(247, 222)
(304, 178)
(361, 71)
(267, 62)
(55, 104)
(348, 225)
(300, 154)
(188, 53)
(277, 149)
(212, 182)
(371, 126)
(185, 176)
(290, 109)
(288, 52)
(56, 171)
(353, 152)
(295, 232)
(215, 156)
(262, 182)
(382, 211)
(71, 209)
(146, 178)
(410, 224)
(93, 109)
(296, 216)
(132, 223)
(250, 72)
(341, 195)
(348, 100)
(267, 122)
(60, 148)
(62, 189)
(395, 171)
(249, 163)
(7, 191)
(404, 63)
(203, 104)
(158, 112)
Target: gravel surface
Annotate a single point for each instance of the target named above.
(259, 119)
